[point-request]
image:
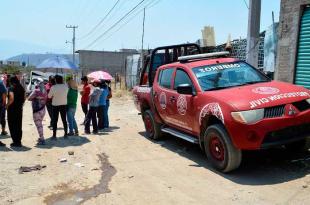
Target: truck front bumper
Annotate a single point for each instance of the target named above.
(269, 132)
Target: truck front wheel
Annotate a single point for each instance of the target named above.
(221, 152)
(152, 128)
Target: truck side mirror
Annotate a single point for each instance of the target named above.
(185, 89)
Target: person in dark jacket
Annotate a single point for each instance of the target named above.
(15, 110)
(49, 107)
(3, 96)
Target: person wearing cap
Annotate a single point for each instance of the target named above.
(85, 96)
(38, 98)
(71, 107)
(58, 94)
(93, 108)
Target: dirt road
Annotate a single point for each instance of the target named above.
(124, 167)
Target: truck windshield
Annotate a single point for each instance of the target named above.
(225, 75)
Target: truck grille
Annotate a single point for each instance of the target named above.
(272, 112)
(278, 111)
(302, 105)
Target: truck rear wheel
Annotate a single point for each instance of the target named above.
(221, 152)
(152, 128)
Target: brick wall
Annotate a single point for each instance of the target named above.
(290, 13)
(110, 61)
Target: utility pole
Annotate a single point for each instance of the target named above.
(73, 41)
(142, 56)
(253, 32)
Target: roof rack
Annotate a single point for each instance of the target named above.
(204, 55)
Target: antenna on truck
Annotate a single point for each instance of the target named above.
(202, 56)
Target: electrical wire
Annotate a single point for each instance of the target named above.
(100, 22)
(246, 4)
(136, 14)
(115, 24)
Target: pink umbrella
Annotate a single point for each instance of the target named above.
(100, 75)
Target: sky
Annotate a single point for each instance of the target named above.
(39, 26)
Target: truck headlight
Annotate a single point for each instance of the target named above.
(308, 100)
(249, 116)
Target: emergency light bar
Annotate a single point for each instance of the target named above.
(204, 55)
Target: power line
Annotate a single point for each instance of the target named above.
(88, 10)
(115, 24)
(246, 4)
(100, 22)
(148, 6)
(155, 3)
(136, 14)
(143, 25)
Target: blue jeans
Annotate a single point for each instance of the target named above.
(100, 117)
(106, 115)
(71, 119)
(91, 116)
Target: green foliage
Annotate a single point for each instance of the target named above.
(69, 77)
(9, 69)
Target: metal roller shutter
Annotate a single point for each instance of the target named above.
(302, 75)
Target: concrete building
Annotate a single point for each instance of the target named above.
(110, 61)
(208, 36)
(293, 61)
(13, 63)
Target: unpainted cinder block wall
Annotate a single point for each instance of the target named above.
(290, 13)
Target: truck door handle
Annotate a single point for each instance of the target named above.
(172, 99)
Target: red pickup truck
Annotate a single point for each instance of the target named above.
(223, 104)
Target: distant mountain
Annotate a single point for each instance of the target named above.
(10, 48)
(33, 59)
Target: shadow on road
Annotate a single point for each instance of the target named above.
(72, 141)
(112, 128)
(263, 167)
(15, 149)
(4, 136)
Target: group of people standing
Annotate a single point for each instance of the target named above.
(96, 104)
(59, 99)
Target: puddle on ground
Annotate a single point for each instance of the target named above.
(75, 197)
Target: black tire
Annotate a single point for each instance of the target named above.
(298, 146)
(154, 132)
(221, 152)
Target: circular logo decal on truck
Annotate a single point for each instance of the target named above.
(182, 105)
(163, 100)
(266, 90)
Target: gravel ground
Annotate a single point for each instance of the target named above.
(122, 166)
